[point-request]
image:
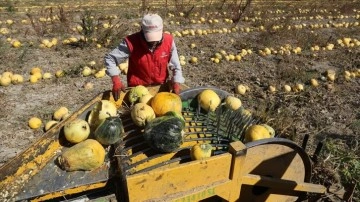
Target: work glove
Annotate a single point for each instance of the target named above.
(176, 88)
(117, 87)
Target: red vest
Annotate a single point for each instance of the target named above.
(146, 67)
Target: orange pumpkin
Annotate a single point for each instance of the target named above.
(164, 102)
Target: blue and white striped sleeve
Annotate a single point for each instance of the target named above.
(175, 66)
(115, 57)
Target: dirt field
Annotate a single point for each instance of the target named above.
(329, 113)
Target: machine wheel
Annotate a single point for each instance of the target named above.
(275, 158)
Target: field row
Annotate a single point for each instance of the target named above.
(204, 26)
(138, 3)
(253, 16)
(231, 8)
(327, 78)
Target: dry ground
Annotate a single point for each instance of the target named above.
(324, 114)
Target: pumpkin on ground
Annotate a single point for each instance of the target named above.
(165, 133)
(5, 81)
(209, 100)
(35, 122)
(109, 131)
(50, 124)
(60, 113)
(141, 114)
(87, 155)
(256, 132)
(200, 151)
(77, 131)
(164, 102)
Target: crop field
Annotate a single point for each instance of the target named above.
(299, 62)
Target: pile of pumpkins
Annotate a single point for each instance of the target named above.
(163, 123)
(89, 153)
(209, 100)
(147, 107)
(158, 115)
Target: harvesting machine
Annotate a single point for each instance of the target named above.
(273, 169)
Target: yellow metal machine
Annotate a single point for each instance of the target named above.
(274, 169)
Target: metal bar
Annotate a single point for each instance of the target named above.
(282, 184)
(70, 191)
(165, 181)
(317, 152)
(238, 151)
(305, 141)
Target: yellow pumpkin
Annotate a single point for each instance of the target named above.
(270, 129)
(5, 81)
(47, 75)
(60, 113)
(35, 122)
(256, 132)
(136, 93)
(38, 75)
(50, 124)
(209, 100)
(86, 155)
(232, 102)
(141, 114)
(59, 73)
(100, 112)
(7, 74)
(146, 99)
(201, 151)
(77, 131)
(246, 112)
(35, 70)
(17, 78)
(164, 102)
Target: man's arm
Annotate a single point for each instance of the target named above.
(112, 60)
(175, 65)
(115, 57)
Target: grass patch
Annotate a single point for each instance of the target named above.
(342, 156)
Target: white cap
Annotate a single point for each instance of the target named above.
(152, 26)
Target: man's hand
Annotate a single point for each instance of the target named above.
(117, 87)
(176, 88)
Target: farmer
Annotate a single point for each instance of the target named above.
(153, 58)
